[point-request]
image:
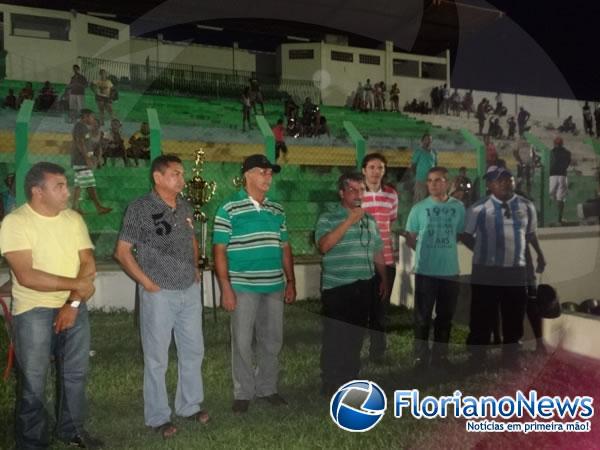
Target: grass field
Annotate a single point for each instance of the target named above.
(116, 409)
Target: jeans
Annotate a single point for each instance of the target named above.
(256, 324)
(345, 312)
(443, 293)
(35, 342)
(162, 313)
(378, 310)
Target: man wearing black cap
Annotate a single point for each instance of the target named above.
(498, 229)
(252, 257)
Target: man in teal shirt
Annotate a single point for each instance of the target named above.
(433, 227)
(423, 159)
(252, 257)
(348, 238)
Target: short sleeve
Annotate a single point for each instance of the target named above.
(324, 226)
(471, 220)
(222, 227)
(131, 231)
(13, 237)
(378, 242)
(394, 207)
(415, 157)
(283, 231)
(532, 218)
(460, 224)
(412, 223)
(83, 236)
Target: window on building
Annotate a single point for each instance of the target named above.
(369, 59)
(342, 56)
(101, 30)
(301, 54)
(405, 68)
(40, 27)
(434, 71)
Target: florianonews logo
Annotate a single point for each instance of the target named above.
(358, 406)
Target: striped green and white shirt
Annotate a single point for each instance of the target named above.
(254, 235)
(351, 259)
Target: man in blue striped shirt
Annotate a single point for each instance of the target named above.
(498, 229)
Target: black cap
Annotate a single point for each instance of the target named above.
(261, 161)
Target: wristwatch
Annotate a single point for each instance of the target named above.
(73, 303)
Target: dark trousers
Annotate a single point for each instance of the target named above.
(443, 294)
(378, 311)
(493, 288)
(345, 310)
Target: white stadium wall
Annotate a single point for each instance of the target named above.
(34, 56)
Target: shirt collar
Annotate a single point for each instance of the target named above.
(497, 200)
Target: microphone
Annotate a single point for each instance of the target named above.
(357, 202)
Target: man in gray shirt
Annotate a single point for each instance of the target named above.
(159, 227)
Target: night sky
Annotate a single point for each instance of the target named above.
(541, 47)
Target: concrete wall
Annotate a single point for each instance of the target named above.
(40, 59)
(338, 80)
(194, 54)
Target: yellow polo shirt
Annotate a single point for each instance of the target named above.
(54, 242)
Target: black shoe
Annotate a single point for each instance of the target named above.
(240, 406)
(84, 440)
(274, 399)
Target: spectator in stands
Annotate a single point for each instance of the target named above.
(433, 227)
(308, 117)
(445, 94)
(383, 90)
(524, 155)
(246, 107)
(82, 160)
(25, 94)
(522, 119)
(352, 250)
(499, 274)
(597, 119)
(500, 109)
(290, 108)
(279, 134)
(377, 94)
(512, 127)
(321, 126)
(395, 98)
(63, 102)
(293, 128)
(76, 86)
(256, 95)
(494, 128)
(10, 101)
(481, 114)
(380, 201)
(560, 160)
(357, 102)
(434, 96)
(491, 154)
(568, 126)
(139, 143)
(455, 101)
(46, 98)
(94, 141)
(368, 95)
(588, 122)
(103, 89)
(468, 103)
(423, 159)
(113, 144)
(462, 187)
(9, 197)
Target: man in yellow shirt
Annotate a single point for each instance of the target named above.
(49, 251)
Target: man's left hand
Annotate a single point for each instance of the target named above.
(541, 264)
(383, 290)
(65, 318)
(290, 293)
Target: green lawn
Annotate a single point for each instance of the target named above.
(115, 391)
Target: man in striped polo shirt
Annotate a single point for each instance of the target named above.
(252, 256)
(381, 202)
(352, 250)
(498, 229)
